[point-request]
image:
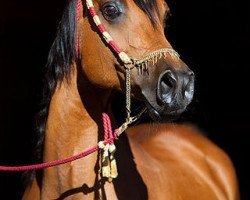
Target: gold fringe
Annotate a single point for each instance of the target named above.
(153, 57)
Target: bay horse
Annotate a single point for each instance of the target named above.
(158, 160)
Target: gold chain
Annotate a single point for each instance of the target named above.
(128, 92)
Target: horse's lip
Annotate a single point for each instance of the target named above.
(163, 117)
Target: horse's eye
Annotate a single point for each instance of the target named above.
(111, 11)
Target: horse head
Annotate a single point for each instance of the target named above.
(159, 77)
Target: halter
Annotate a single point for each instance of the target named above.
(110, 171)
(108, 162)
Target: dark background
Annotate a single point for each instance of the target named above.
(213, 38)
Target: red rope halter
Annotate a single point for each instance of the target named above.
(123, 56)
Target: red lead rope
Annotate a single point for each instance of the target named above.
(109, 137)
(48, 164)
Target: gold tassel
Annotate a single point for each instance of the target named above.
(105, 159)
(113, 166)
(105, 162)
(108, 162)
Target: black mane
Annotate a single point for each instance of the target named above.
(60, 58)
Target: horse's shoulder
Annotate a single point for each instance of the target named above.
(177, 138)
(186, 149)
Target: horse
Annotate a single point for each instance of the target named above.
(156, 160)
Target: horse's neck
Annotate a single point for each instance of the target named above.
(74, 118)
(73, 126)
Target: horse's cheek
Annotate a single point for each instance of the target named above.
(136, 40)
(102, 76)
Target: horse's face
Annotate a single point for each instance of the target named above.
(166, 85)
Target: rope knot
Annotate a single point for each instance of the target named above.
(108, 162)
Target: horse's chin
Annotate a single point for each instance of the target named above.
(162, 115)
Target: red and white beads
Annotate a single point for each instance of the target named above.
(122, 55)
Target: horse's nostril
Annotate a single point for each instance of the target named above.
(166, 86)
(175, 88)
(168, 80)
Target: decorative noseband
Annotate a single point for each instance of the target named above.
(154, 57)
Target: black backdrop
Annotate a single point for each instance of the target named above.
(213, 38)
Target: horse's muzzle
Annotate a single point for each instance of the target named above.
(175, 91)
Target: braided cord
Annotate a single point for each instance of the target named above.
(128, 92)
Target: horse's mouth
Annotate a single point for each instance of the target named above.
(162, 115)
